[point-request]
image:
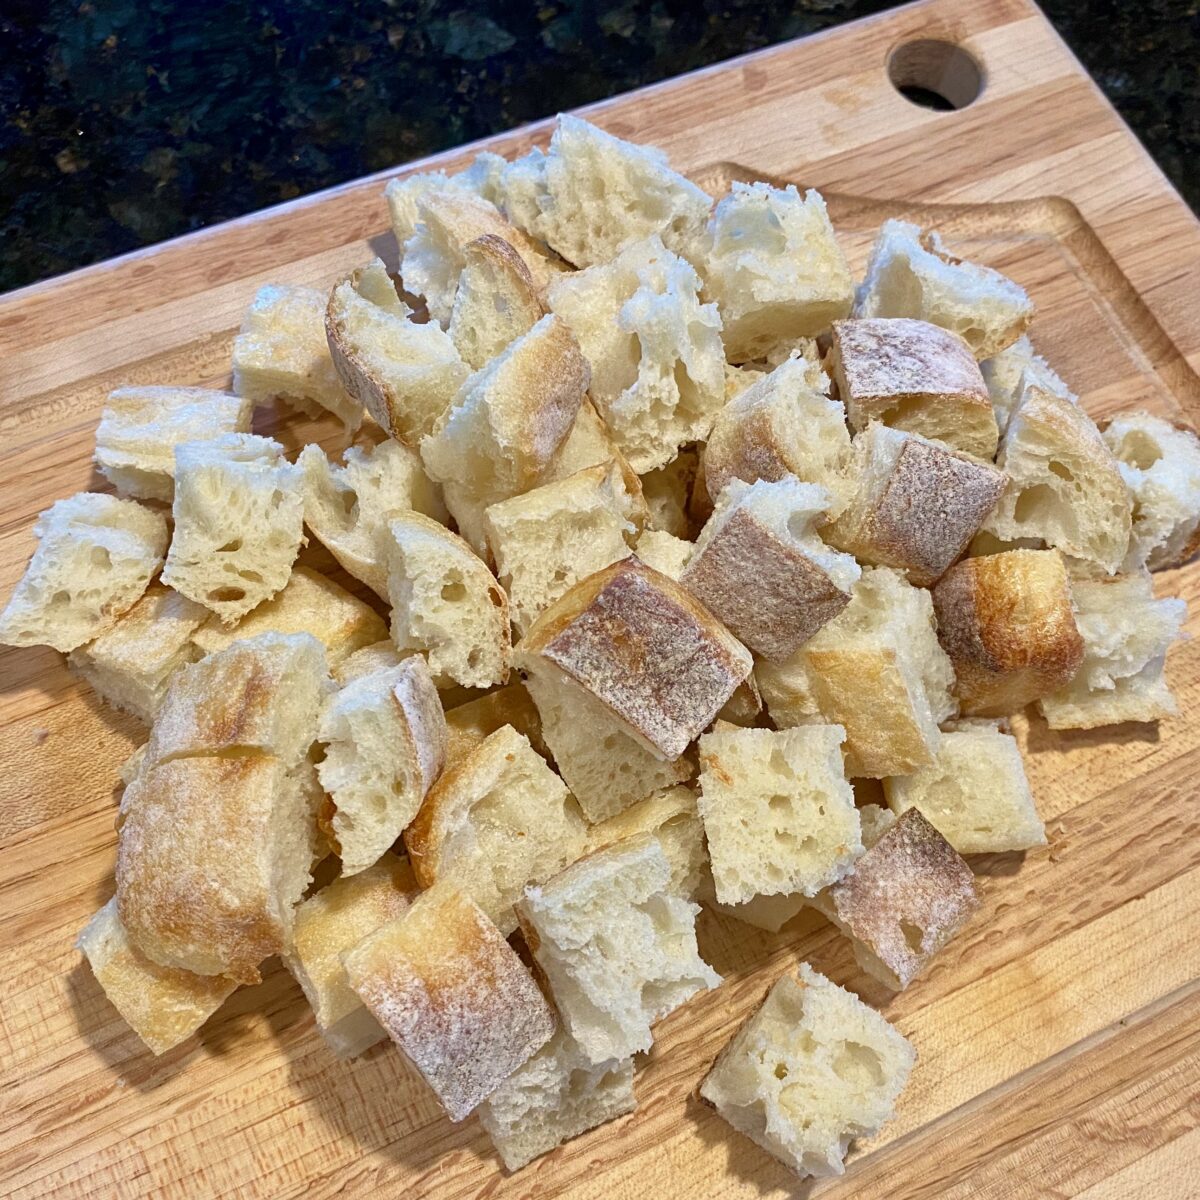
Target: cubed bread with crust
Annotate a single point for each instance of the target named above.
(281, 353)
(332, 922)
(496, 302)
(1007, 622)
(975, 794)
(915, 376)
(446, 604)
(405, 374)
(916, 504)
(907, 896)
(94, 559)
(658, 375)
(1126, 633)
(239, 523)
(592, 194)
(771, 262)
(911, 274)
(453, 995)
(1160, 464)
(663, 552)
(812, 1069)
(1010, 372)
(480, 178)
(668, 493)
(759, 567)
(497, 820)
(141, 426)
(635, 640)
(778, 814)
(616, 946)
(469, 724)
(1065, 486)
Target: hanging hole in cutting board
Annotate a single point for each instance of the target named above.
(935, 74)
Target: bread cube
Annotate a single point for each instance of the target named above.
(812, 1069)
(642, 646)
(132, 664)
(497, 820)
(480, 178)
(453, 995)
(1007, 623)
(282, 353)
(663, 552)
(1160, 464)
(94, 559)
(773, 265)
(329, 924)
(1126, 633)
(468, 725)
(916, 505)
(911, 274)
(141, 426)
(616, 946)
(914, 376)
(907, 896)
(1065, 486)
(592, 194)
(668, 493)
(1010, 372)
(761, 569)
(239, 523)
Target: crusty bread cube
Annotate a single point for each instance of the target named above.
(654, 349)
(1065, 486)
(778, 813)
(915, 376)
(640, 644)
(480, 178)
(1010, 372)
(1160, 464)
(772, 263)
(616, 946)
(975, 794)
(907, 896)
(446, 603)
(239, 523)
(282, 353)
(663, 552)
(132, 664)
(668, 492)
(497, 300)
(1006, 621)
(592, 194)
(1126, 633)
(813, 1068)
(141, 426)
(916, 504)
(911, 274)
(555, 1096)
(760, 568)
(497, 820)
(330, 923)
(405, 374)
(379, 656)
(453, 995)
(94, 559)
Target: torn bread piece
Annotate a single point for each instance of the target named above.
(668, 492)
(94, 559)
(589, 444)
(498, 820)
(469, 725)
(378, 656)
(912, 274)
(141, 426)
(812, 1069)
(282, 353)
(1014, 369)
(480, 178)
(453, 995)
(663, 552)
(496, 302)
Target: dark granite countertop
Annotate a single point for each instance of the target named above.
(125, 122)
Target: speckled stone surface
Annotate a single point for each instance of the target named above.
(125, 122)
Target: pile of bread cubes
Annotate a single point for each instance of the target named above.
(680, 533)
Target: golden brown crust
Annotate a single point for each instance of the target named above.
(506, 259)
(469, 724)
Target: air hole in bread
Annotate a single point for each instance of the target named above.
(1140, 450)
(859, 1065)
(781, 1071)
(473, 658)
(495, 597)
(100, 557)
(1033, 503)
(227, 595)
(1057, 468)
(59, 598)
(230, 547)
(913, 936)
(250, 576)
(454, 590)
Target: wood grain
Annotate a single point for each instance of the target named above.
(1059, 1036)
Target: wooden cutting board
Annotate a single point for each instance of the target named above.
(1059, 1036)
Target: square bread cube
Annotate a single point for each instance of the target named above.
(774, 267)
(916, 504)
(914, 376)
(141, 426)
(453, 995)
(468, 725)
(975, 794)
(778, 813)
(813, 1068)
(907, 896)
(616, 946)
(1010, 372)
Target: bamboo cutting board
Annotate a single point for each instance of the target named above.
(1059, 1036)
